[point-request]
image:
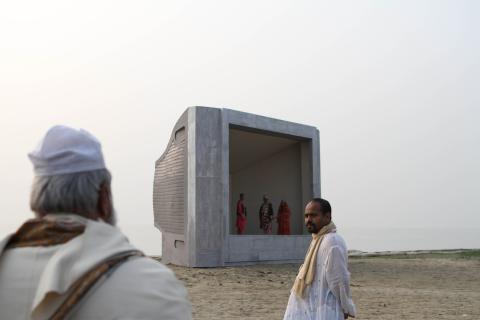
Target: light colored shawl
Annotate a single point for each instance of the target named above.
(52, 230)
(307, 269)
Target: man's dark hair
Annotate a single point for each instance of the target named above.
(324, 205)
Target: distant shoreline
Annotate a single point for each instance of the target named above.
(446, 253)
(407, 254)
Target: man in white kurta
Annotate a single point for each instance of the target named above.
(327, 297)
(34, 281)
(71, 262)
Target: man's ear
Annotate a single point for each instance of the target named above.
(329, 215)
(104, 203)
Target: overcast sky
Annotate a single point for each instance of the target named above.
(393, 86)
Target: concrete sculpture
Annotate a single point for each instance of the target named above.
(214, 155)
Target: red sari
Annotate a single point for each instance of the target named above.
(241, 217)
(283, 218)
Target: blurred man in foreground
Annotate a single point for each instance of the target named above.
(322, 287)
(71, 261)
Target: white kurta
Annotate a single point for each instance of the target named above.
(328, 297)
(35, 280)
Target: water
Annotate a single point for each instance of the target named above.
(402, 239)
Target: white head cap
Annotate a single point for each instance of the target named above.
(65, 150)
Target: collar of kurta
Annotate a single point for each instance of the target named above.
(96, 243)
(306, 274)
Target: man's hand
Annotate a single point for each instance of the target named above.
(346, 315)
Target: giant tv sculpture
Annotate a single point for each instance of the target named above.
(212, 157)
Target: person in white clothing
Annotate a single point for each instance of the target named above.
(322, 287)
(70, 261)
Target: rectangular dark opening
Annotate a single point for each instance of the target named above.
(276, 164)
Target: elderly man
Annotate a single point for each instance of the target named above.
(321, 290)
(71, 261)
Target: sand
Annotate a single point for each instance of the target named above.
(430, 286)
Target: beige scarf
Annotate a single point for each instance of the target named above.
(307, 269)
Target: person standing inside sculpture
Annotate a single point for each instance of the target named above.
(321, 290)
(283, 218)
(241, 215)
(266, 215)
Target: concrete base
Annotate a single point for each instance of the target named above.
(257, 248)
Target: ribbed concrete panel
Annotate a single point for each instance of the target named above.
(169, 186)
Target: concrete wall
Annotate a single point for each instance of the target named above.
(208, 210)
(279, 176)
(306, 177)
(169, 186)
(233, 118)
(170, 195)
(259, 248)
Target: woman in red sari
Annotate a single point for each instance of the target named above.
(283, 218)
(241, 215)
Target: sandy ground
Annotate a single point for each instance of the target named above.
(422, 287)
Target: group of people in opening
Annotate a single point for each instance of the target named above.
(265, 215)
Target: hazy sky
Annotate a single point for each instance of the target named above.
(393, 86)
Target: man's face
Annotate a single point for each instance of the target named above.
(242, 197)
(314, 218)
(265, 199)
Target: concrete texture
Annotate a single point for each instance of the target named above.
(169, 194)
(246, 249)
(205, 240)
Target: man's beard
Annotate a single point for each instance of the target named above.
(312, 227)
